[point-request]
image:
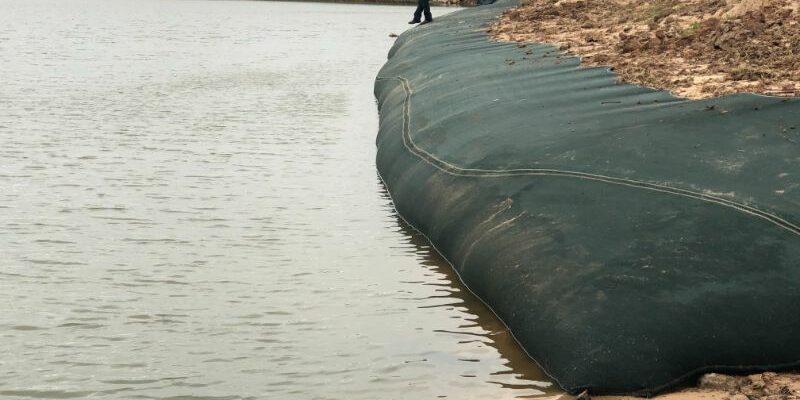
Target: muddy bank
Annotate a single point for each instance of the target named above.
(694, 48)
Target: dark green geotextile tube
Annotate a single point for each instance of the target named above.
(631, 240)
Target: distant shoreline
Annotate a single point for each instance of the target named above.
(436, 3)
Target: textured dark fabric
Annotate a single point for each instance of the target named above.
(630, 239)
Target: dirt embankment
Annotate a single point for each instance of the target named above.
(766, 386)
(694, 48)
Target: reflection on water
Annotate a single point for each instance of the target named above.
(482, 328)
(189, 209)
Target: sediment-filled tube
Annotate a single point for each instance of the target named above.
(630, 240)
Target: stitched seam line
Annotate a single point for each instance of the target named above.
(452, 169)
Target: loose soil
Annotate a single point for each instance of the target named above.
(693, 48)
(766, 386)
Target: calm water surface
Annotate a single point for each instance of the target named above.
(189, 209)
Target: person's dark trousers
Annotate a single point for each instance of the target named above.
(423, 6)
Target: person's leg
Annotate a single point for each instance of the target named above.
(427, 10)
(418, 13)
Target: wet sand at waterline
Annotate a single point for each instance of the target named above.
(190, 209)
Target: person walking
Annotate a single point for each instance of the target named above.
(423, 6)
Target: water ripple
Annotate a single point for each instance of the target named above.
(190, 210)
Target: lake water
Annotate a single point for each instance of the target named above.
(189, 209)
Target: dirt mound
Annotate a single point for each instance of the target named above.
(694, 48)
